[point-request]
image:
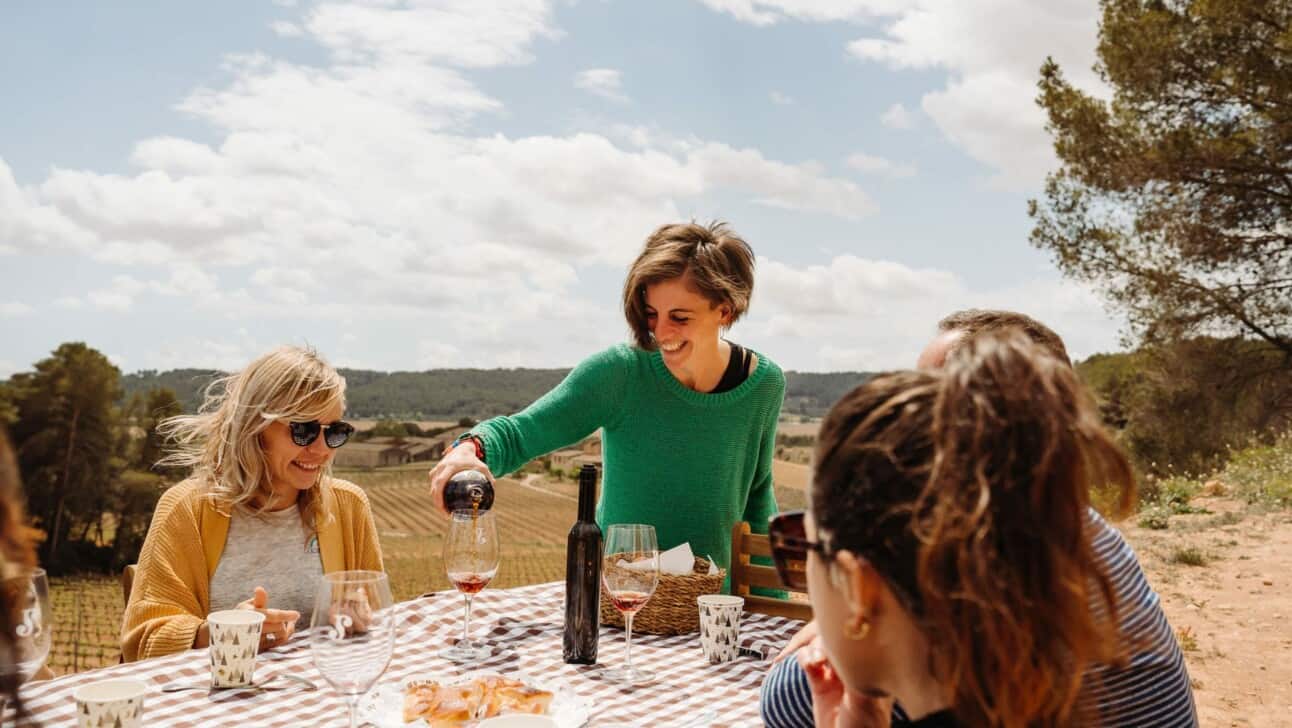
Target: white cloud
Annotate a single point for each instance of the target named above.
(796, 187)
(768, 12)
(604, 82)
(780, 99)
(879, 165)
(70, 303)
(856, 313)
(992, 51)
(286, 29)
(14, 309)
(897, 117)
(119, 297)
(354, 191)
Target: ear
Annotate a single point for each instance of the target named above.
(858, 583)
(724, 310)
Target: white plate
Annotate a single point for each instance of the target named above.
(384, 704)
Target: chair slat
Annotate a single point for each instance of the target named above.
(779, 608)
(765, 577)
(756, 544)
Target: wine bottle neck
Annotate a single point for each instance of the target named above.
(587, 500)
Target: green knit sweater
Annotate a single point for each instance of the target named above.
(690, 464)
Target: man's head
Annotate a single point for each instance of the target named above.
(959, 328)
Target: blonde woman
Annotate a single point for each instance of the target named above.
(689, 418)
(260, 519)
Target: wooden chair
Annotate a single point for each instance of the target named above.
(744, 575)
(127, 581)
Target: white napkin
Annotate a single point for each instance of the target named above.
(678, 560)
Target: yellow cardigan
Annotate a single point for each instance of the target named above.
(171, 594)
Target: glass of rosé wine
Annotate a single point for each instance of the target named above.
(630, 574)
(471, 560)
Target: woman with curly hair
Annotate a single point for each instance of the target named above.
(949, 553)
(260, 517)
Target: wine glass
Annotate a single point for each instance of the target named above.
(471, 560)
(27, 591)
(353, 632)
(630, 574)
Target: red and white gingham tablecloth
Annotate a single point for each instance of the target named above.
(524, 624)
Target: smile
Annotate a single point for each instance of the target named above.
(307, 466)
(670, 348)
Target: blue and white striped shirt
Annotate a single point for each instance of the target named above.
(1151, 690)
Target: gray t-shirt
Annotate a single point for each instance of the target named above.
(273, 550)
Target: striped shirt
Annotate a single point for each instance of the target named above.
(1151, 690)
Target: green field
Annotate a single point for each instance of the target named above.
(533, 520)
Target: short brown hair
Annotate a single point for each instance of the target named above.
(975, 321)
(716, 261)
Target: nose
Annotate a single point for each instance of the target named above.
(319, 446)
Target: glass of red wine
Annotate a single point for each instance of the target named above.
(471, 560)
(630, 573)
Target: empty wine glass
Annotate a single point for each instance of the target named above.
(471, 560)
(353, 632)
(27, 590)
(630, 574)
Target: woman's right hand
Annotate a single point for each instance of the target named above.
(279, 624)
(804, 636)
(462, 457)
(833, 704)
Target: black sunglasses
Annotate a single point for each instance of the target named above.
(790, 546)
(334, 435)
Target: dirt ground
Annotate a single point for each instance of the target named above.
(1225, 579)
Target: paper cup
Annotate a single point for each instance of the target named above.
(720, 626)
(110, 704)
(235, 639)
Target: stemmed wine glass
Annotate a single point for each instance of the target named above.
(471, 560)
(630, 574)
(27, 589)
(353, 632)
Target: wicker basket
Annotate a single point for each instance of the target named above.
(672, 608)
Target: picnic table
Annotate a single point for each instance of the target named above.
(524, 625)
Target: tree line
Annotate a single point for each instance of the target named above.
(452, 394)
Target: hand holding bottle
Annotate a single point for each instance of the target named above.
(463, 457)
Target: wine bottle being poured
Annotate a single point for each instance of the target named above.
(468, 490)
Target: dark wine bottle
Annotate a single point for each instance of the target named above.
(468, 490)
(583, 576)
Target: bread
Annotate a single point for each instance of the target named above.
(453, 706)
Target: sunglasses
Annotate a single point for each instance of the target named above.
(334, 435)
(790, 546)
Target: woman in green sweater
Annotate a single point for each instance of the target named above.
(688, 418)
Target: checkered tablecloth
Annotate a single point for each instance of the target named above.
(524, 625)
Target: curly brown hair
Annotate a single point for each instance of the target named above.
(17, 551)
(968, 489)
(719, 263)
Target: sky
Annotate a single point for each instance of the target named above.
(416, 184)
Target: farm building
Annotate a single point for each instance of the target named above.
(370, 455)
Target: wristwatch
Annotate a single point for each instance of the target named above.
(474, 439)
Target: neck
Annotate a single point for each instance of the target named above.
(704, 369)
(278, 498)
(914, 686)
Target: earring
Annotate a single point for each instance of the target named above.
(857, 630)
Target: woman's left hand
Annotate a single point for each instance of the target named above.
(833, 704)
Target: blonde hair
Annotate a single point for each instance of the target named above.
(713, 258)
(222, 441)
